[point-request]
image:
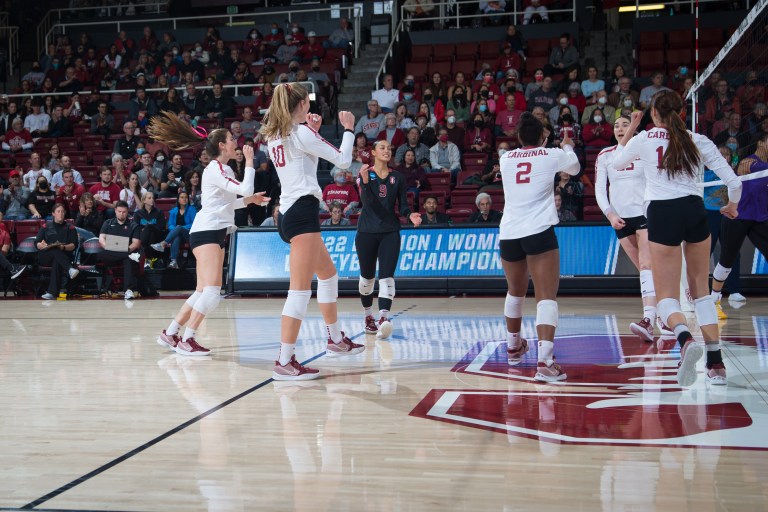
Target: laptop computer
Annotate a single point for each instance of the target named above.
(116, 243)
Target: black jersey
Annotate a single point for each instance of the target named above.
(379, 198)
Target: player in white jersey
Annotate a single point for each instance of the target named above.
(294, 149)
(209, 230)
(672, 157)
(528, 241)
(626, 213)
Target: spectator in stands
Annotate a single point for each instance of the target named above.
(126, 46)
(409, 100)
(403, 119)
(57, 181)
(478, 137)
(568, 125)
(602, 104)
(15, 198)
(484, 105)
(59, 125)
(516, 40)
(342, 37)
(624, 96)
(562, 101)
(69, 193)
(508, 118)
(336, 218)
(535, 13)
(253, 42)
(106, 193)
(512, 85)
(37, 122)
(456, 134)
(362, 149)
(192, 188)
(592, 85)
(458, 105)
(132, 193)
(720, 102)
(167, 68)
(148, 42)
(756, 118)
(733, 129)
(750, 92)
(194, 103)
(14, 271)
(613, 84)
(219, 105)
(113, 59)
(459, 82)
(426, 110)
(168, 44)
(57, 242)
(141, 110)
(597, 131)
(70, 83)
(9, 114)
(172, 177)
(571, 190)
(544, 97)
(657, 81)
(445, 156)
(286, 52)
(507, 60)
(248, 125)
(150, 221)
(103, 122)
(53, 161)
(264, 99)
(415, 175)
(372, 123)
(418, 10)
(125, 146)
(342, 192)
(431, 215)
(562, 57)
(41, 200)
(311, 49)
(421, 151)
(273, 220)
(35, 75)
(171, 101)
(563, 214)
(36, 170)
(190, 65)
(180, 220)
(391, 133)
(538, 79)
(387, 96)
(149, 177)
(89, 219)
(121, 226)
(485, 214)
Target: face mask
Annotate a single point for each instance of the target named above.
(598, 119)
(451, 119)
(160, 158)
(55, 65)
(274, 31)
(487, 79)
(502, 152)
(315, 68)
(199, 49)
(483, 94)
(407, 97)
(563, 101)
(482, 108)
(628, 103)
(139, 151)
(478, 123)
(44, 186)
(427, 97)
(443, 138)
(340, 180)
(602, 100)
(254, 36)
(409, 82)
(295, 30)
(567, 118)
(175, 51)
(732, 146)
(683, 70)
(539, 78)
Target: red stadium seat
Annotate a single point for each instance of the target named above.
(459, 215)
(443, 52)
(443, 67)
(466, 51)
(538, 48)
(421, 53)
(439, 182)
(680, 39)
(474, 159)
(463, 198)
(466, 66)
(650, 61)
(488, 50)
(651, 41)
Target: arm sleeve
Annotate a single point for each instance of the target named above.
(601, 183)
(244, 188)
(711, 157)
(172, 218)
(567, 161)
(625, 155)
(314, 144)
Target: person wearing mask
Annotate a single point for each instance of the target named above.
(478, 137)
(42, 200)
(597, 132)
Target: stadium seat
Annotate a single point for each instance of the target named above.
(538, 48)
(466, 66)
(649, 61)
(488, 50)
(678, 57)
(459, 215)
(466, 51)
(677, 39)
(651, 41)
(439, 182)
(474, 159)
(463, 198)
(421, 53)
(443, 52)
(27, 228)
(443, 67)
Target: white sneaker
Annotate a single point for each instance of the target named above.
(129, 295)
(159, 247)
(73, 273)
(737, 297)
(135, 256)
(47, 296)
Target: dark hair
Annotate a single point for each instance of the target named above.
(172, 131)
(121, 204)
(682, 156)
(530, 130)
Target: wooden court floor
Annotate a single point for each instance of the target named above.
(94, 415)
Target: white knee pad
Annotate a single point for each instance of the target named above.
(365, 286)
(193, 298)
(667, 307)
(646, 284)
(328, 289)
(513, 306)
(721, 273)
(706, 313)
(296, 303)
(547, 313)
(208, 300)
(387, 288)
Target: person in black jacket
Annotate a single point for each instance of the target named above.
(57, 242)
(89, 219)
(121, 226)
(150, 222)
(383, 195)
(484, 213)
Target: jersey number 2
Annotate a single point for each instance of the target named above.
(522, 175)
(278, 156)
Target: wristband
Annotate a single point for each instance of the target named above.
(348, 130)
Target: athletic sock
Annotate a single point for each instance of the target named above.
(368, 311)
(189, 333)
(173, 328)
(513, 340)
(334, 332)
(649, 312)
(286, 353)
(714, 355)
(546, 351)
(384, 313)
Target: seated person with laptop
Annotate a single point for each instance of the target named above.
(121, 243)
(56, 243)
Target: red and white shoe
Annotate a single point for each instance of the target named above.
(643, 329)
(292, 370)
(168, 340)
(370, 325)
(716, 375)
(189, 347)
(515, 355)
(689, 356)
(664, 328)
(385, 328)
(344, 348)
(551, 373)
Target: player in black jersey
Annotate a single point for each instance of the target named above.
(383, 194)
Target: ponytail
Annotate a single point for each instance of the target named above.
(682, 156)
(278, 121)
(174, 132)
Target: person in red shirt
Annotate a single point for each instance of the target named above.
(508, 118)
(69, 194)
(311, 49)
(106, 193)
(363, 150)
(342, 192)
(478, 137)
(391, 133)
(597, 132)
(506, 61)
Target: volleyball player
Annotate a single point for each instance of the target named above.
(528, 241)
(209, 229)
(383, 194)
(672, 157)
(752, 221)
(294, 148)
(625, 212)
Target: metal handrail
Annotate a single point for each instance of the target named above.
(4, 19)
(394, 39)
(458, 17)
(353, 12)
(670, 3)
(13, 46)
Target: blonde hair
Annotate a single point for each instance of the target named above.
(278, 121)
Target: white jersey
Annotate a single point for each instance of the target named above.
(528, 176)
(650, 147)
(295, 159)
(627, 186)
(30, 178)
(219, 189)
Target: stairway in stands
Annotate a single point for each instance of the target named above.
(619, 48)
(360, 81)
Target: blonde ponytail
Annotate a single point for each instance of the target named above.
(278, 121)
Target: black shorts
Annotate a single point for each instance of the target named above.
(517, 249)
(211, 236)
(674, 221)
(732, 235)
(381, 247)
(633, 224)
(302, 217)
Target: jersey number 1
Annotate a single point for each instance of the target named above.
(278, 156)
(522, 175)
